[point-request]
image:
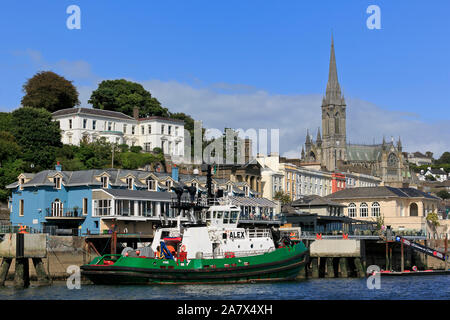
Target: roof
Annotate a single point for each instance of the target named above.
(437, 171)
(314, 200)
(254, 202)
(92, 111)
(161, 118)
(379, 192)
(358, 152)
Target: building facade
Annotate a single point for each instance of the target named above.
(86, 124)
(403, 209)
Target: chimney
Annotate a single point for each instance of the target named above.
(175, 172)
(58, 167)
(136, 113)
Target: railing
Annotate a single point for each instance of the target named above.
(64, 213)
(16, 229)
(55, 231)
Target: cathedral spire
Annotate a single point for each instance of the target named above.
(318, 139)
(333, 92)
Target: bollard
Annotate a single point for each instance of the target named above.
(6, 264)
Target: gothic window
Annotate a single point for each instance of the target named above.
(336, 122)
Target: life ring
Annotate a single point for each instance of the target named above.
(183, 248)
(414, 268)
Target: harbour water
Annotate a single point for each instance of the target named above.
(395, 288)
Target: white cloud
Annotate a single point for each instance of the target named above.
(293, 114)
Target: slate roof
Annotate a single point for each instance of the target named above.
(92, 111)
(314, 200)
(357, 152)
(379, 192)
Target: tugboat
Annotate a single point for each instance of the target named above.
(210, 248)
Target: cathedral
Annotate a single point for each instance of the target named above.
(331, 150)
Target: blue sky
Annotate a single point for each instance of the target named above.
(203, 56)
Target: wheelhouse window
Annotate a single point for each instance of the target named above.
(352, 210)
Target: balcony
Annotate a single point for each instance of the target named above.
(64, 214)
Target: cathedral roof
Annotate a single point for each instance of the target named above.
(357, 152)
(333, 92)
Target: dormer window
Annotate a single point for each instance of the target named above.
(21, 183)
(105, 182)
(169, 183)
(151, 185)
(57, 182)
(130, 183)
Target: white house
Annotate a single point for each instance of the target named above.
(149, 133)
(439, 174)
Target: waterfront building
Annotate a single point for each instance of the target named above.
(357, 180)
(332, 150)
(87, 124)
(91, 201)
(403, 209)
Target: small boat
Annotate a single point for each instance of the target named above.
(211, 249)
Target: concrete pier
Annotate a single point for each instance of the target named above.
(315, 267)
(4, 268)
(22, 273)
(359, 268)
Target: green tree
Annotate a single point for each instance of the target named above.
(50, 91)
(444, 159)
(433, 218)
(122, 96)
(443, 194)
(284, 198)
(37, 135)
(5, 121)
(9, 149)
(9, 171)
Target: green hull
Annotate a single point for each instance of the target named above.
(281, 264)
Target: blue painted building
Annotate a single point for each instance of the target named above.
(73, 201)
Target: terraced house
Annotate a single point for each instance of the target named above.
(91, 201)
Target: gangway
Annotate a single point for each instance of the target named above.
(421, 248)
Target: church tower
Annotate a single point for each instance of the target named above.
(333, 119)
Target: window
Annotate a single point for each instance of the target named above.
(21, 182)
(352, 210)
(104, 182)
(151, 185)
(70, 123)
(109, 126)
(130, 183)
(102, 207)
(57, 182)
(176, 131)
(84, 123)
(85, 206)
(94, 124)
(148, 146)
(168, 183)
(363, 210)
(162, 129)
(133, 128)
(149, 129)
(375, 209)
(21, 207)
(124, 128)
(169, 129)
(142, 130)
